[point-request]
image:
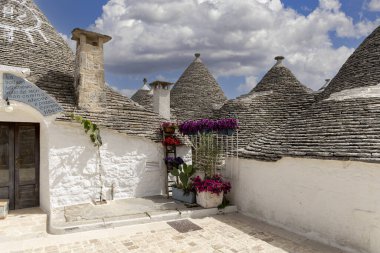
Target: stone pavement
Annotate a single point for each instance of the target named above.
(220, 233)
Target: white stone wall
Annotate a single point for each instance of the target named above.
(73, 175)
(336, 202)
(25, 113)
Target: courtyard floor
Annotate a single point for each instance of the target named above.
(25, 231)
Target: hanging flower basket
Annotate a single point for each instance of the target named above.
(171, 141)
(222, 126)
(169, 130)
(168, 127)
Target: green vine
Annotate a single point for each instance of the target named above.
(90, 128)
(94, 132)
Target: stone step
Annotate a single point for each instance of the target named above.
(133, 219)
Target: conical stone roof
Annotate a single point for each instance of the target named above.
(28, 40)
(277, 97)
(144, 97)
(196, 94)
(280, 79)
(361, 69)
(329, 129)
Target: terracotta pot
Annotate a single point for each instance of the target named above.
(169, 130)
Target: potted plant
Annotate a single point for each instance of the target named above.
(183, 189)
(171, 141)
(222, 126)
(210, 191)
(168, 127)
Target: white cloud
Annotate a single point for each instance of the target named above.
(250, 82)
(374, 5)
(330, 5)
(235, 37)
(125, 92)
(72, 44)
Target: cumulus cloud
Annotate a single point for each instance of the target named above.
(235, 37)
(250, 83)
(72, 44)
(374, 5)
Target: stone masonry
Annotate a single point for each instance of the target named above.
(196, 94)
(28, 40)
(89, 69)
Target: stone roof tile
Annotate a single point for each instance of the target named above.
(276, 98)
(196, 94)
(51, 62)
(361, 69)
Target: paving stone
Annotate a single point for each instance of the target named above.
(226, 233)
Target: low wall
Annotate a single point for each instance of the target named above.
(336, 202)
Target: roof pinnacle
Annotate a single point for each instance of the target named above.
(279, 60)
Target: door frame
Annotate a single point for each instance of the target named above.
(13, 171)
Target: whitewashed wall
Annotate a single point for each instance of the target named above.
(335, 202)
(73, 176)
(25, 113)
(68, 163)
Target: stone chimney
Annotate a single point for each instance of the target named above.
(161, 98)
(89, 69)
(327, 81)
(279, 60)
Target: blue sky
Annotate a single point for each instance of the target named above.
(238, 63)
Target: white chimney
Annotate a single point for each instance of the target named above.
(161, 98)
(279, 60)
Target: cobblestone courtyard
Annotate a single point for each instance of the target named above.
(222, 233)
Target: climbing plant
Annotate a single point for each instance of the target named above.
(93, 131)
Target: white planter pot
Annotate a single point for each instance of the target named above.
(209, 200)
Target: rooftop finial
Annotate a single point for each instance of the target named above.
(279, 60)
(145, 80)
(197, 55)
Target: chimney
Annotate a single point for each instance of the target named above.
(161, 98)
(89, 69)
(279, 60)
(327, 81)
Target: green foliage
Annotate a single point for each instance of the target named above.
(208, 154)
(224, 204)
(184, 173)
(89, 128)
(93, 131)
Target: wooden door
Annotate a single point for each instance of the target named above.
(7, 163)
(19, 164)
(26, 165)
